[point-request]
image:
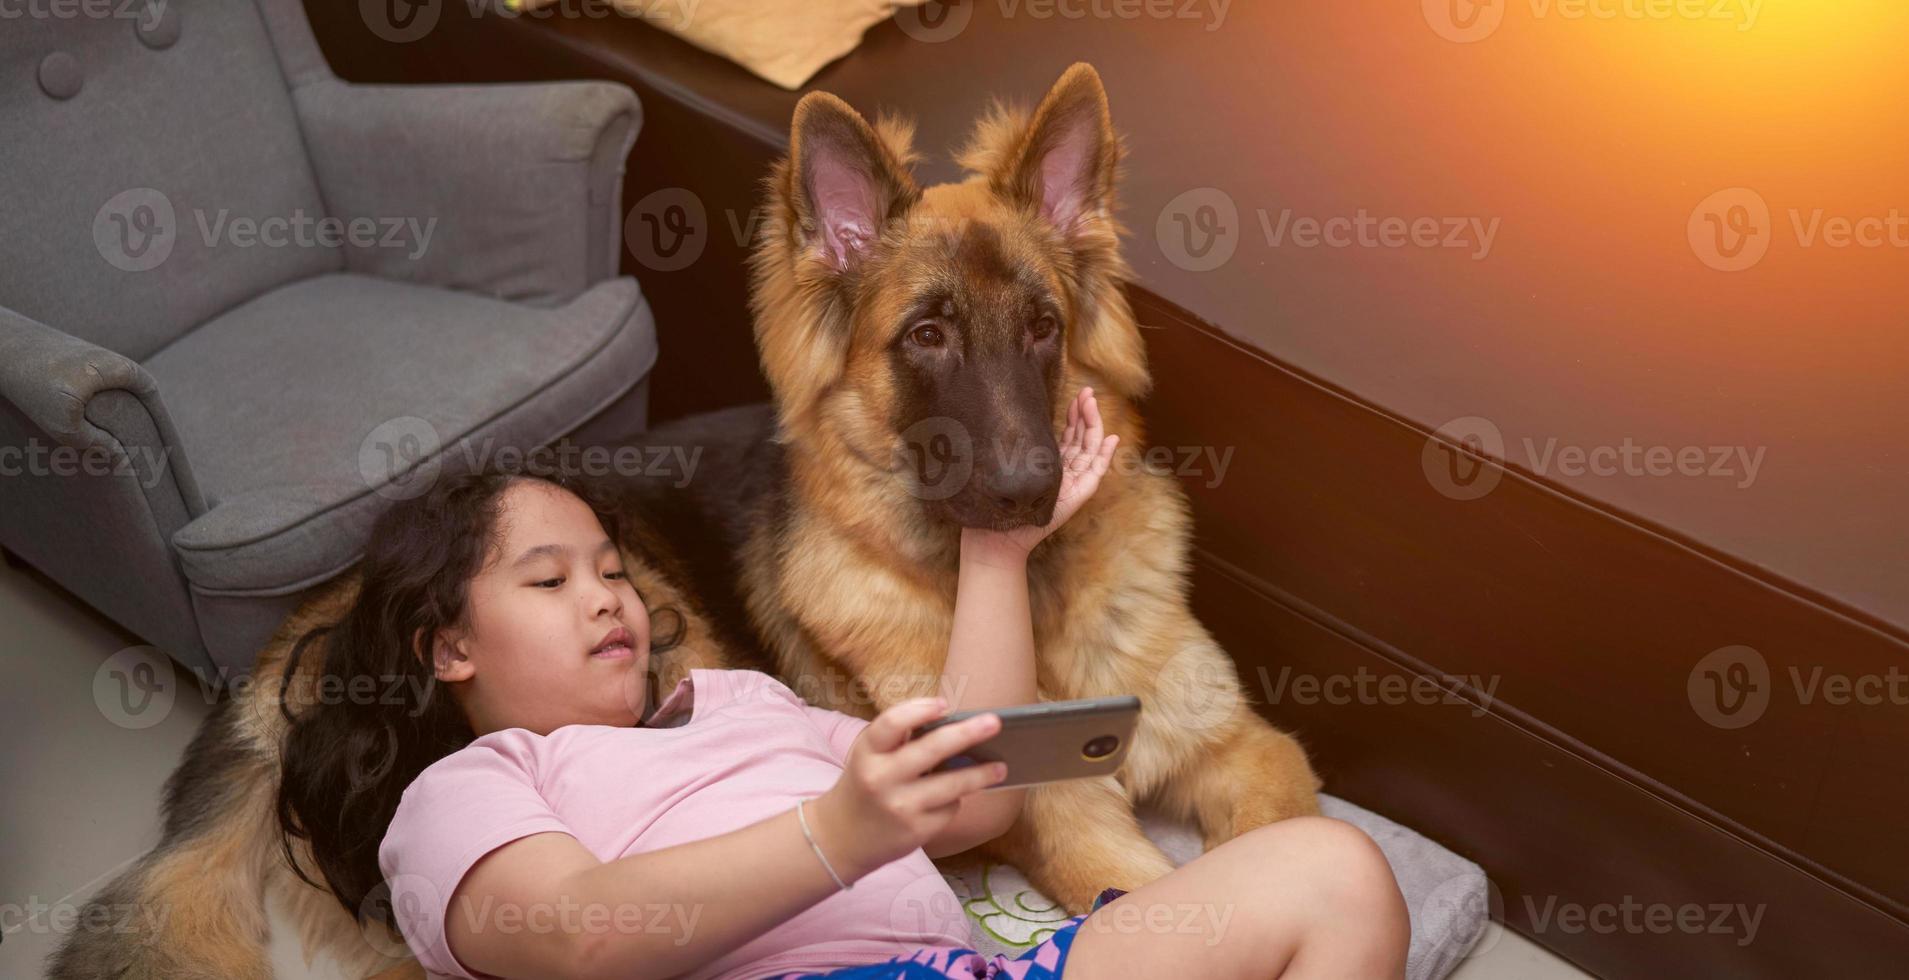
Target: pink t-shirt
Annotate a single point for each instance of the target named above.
(746, 749)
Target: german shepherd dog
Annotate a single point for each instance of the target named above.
(922, 345)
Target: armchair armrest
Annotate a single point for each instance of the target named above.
(51, 376)
(85, 396)
(512, 190)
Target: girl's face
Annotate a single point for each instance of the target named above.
(556, 634)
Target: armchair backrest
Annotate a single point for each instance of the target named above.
(152, 173)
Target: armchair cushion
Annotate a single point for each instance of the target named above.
(517, 185)
(123, 202)
(289, 406)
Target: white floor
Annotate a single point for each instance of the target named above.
(86, 750)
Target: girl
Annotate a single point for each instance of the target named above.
(538, 811)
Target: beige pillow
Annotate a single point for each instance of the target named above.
(784, 41)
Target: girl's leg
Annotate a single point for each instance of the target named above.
(1306, 897)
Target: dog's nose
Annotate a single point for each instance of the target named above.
(1018, 492)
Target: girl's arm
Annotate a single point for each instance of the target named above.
(666, 911)
(990, 664)
(543, 905)
(991, 649)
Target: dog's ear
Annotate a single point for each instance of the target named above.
(1063, 163)
(847, 180)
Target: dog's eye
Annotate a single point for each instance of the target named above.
(926, 335)
(1044, 327)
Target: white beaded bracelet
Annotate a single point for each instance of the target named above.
(799, 815)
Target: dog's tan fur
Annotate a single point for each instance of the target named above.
(858, 585)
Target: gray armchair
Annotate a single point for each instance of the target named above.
(243, 304)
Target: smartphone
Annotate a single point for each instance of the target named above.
(1051, 740)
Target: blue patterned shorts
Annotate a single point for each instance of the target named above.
(1043, 962)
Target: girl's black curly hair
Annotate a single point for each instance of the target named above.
(345, 761)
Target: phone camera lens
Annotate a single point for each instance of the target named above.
(1101, 746)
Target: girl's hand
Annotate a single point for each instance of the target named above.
(884, 807)
(1085, 455)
